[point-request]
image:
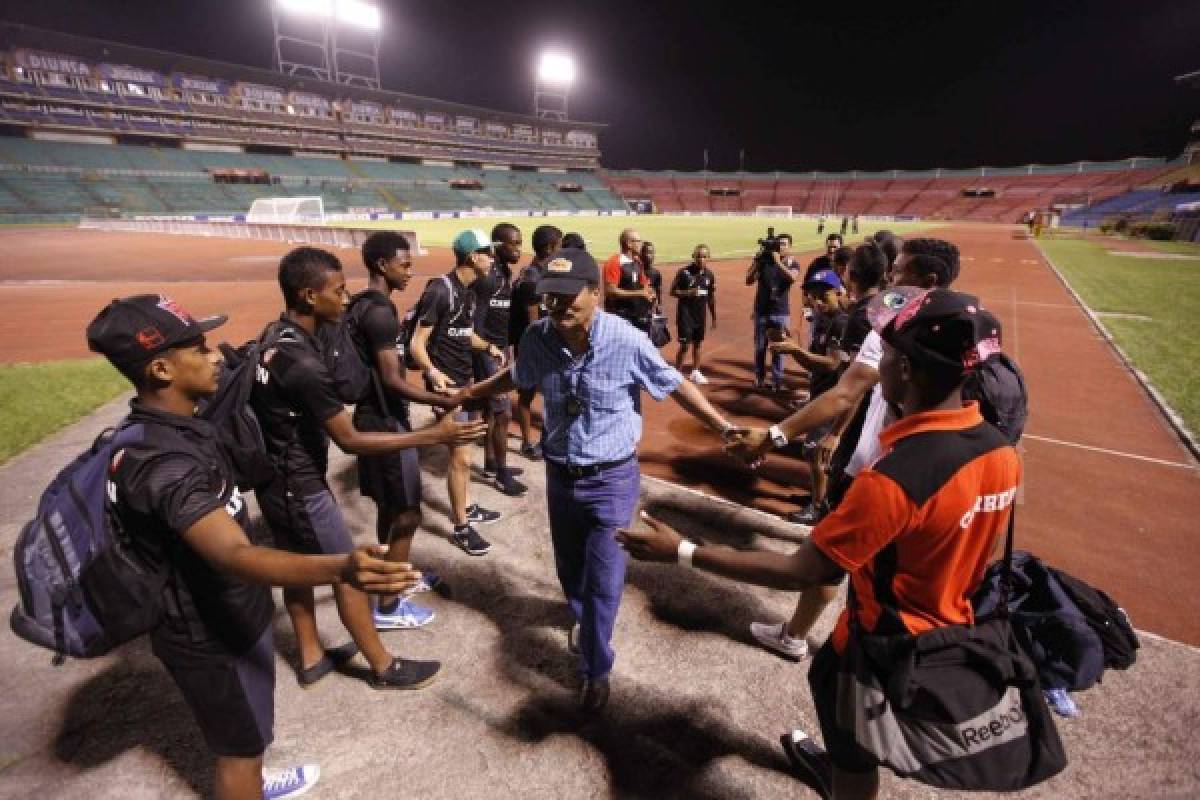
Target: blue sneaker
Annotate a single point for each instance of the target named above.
(1060, 701)
(279, 784)
(428, 583)
(405, 615)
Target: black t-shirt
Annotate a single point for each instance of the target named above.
(450, 311)
(293, 396)
(692, 310)
(654, 280)
(178, 474)
(632, 276)
(493, 298)
(819, 263)
(378, 326)
(857, 327)
(827, 333)
(774, 283)
(524, 294)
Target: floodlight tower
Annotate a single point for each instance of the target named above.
(331, 40)
(555, 74)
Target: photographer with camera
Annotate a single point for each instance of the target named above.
(774, 270)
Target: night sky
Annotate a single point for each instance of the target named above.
(799, 86)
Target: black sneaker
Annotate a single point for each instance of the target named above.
(810, 514)
(477, 513)
(532, 451)
(406, 674)
(470, 541)
(489, 469)
(509, 485)
(811, 763)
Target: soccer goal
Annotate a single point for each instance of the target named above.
(773, 211)
(297, 210)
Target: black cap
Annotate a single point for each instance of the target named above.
(936, 327)
(132, 330)
(568, 272)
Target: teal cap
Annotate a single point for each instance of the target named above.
(471, 240)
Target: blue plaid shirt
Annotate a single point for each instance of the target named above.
(607, 381)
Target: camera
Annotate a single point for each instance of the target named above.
(769, 243)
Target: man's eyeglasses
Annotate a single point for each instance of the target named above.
(554, 302)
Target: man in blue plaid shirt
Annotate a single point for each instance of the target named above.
(591, 368)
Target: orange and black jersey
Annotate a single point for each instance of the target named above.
(915, 531)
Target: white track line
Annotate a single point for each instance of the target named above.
(1106, 451)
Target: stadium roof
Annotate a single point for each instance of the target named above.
(98, 50)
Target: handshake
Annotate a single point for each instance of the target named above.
(748, 445)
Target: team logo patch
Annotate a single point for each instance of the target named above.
(559, 265)
(150, 338)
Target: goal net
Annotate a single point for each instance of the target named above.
(299, 210)
(773, 211)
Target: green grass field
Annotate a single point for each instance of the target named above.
(38, 399)
(674, 236)
(1149, 306)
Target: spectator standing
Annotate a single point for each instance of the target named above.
(695, 290)
(591, 368)
(627, 293)
(774, 272)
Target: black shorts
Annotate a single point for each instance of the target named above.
(393, 481)
(843, 750)
(690, 330)
(232, 696)
(485, 367)
(309, 524)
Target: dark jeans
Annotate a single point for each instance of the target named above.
(585, 514)
(761, 323)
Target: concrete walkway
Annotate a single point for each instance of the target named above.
(696, 708)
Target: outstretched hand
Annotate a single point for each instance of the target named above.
(657, 542)
(365, 569)
(750, 447)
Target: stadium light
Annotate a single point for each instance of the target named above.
(356, 12)
(308, 8)
(556, 69)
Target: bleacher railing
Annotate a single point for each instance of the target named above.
(233, 229)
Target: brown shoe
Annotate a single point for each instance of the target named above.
(594, 695)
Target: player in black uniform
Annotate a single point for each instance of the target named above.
(493, 302)
(441, 346)
(296, 402)
(392, 480)
(653, 273)
(695, 288)
(526, 308)
(175, 496)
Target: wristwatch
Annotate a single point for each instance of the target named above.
(777, 437)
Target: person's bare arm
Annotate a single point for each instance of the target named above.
(391, 375)
(752, 272)
(500, 383)
(805, 358)
(843, 398)
(340, 428)
(222, 543)
(693, 401)
(804, 568)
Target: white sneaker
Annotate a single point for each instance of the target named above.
(698, 377)
(288, 782)
(776, 639)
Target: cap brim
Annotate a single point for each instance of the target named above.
(560, 285)
(887, 305)
(207, 324)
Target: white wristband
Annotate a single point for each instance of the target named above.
(686, 549)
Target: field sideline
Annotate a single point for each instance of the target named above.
(674, 236)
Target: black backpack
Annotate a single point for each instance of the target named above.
(83, 588)
(230, 412)
(999, 387)
(345, 356)
(1107, 619)
(408, 324)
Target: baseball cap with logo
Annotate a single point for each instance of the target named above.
(936, 327)
(130, 331)
(470, 241)
(823, 280)
(568, 272)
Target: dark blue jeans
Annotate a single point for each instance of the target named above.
(584, 517)
(761, 323)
